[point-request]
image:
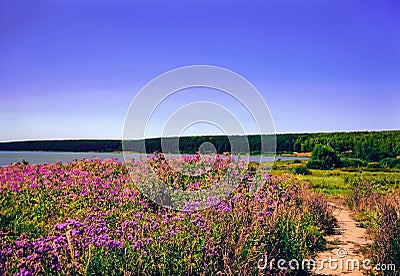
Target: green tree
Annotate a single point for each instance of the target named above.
(324, 157)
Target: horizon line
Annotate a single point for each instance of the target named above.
(196, 135)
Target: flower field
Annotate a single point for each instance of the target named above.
(88, 218)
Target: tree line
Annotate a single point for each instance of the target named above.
(370, 146)
(366, 145)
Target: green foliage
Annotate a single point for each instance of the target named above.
(390, 163)
(301, 170)
(357, 163)
(321, 212)
(370, 146)
(366, 186)
(325, 156)
(327, 183)
(374, 155)
(314, 164)
(332, 182)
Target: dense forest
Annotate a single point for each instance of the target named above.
(63, 145)
(370, 146)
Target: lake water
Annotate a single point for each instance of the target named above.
(38, 157)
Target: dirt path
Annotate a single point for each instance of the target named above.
(344, 246)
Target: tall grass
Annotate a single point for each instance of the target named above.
(88, 218)
(377, 201)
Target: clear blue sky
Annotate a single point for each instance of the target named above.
(69, 69)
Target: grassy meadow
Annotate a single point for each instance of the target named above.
(88, 218)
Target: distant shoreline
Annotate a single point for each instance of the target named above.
(369, 145)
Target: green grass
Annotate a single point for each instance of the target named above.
(333, 182)
(333, 185)
(329, 182)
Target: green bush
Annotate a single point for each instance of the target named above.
(326, 157)
(346, 162)
(314, 164)
(390, 163)
(301, 170)
(375, 156)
